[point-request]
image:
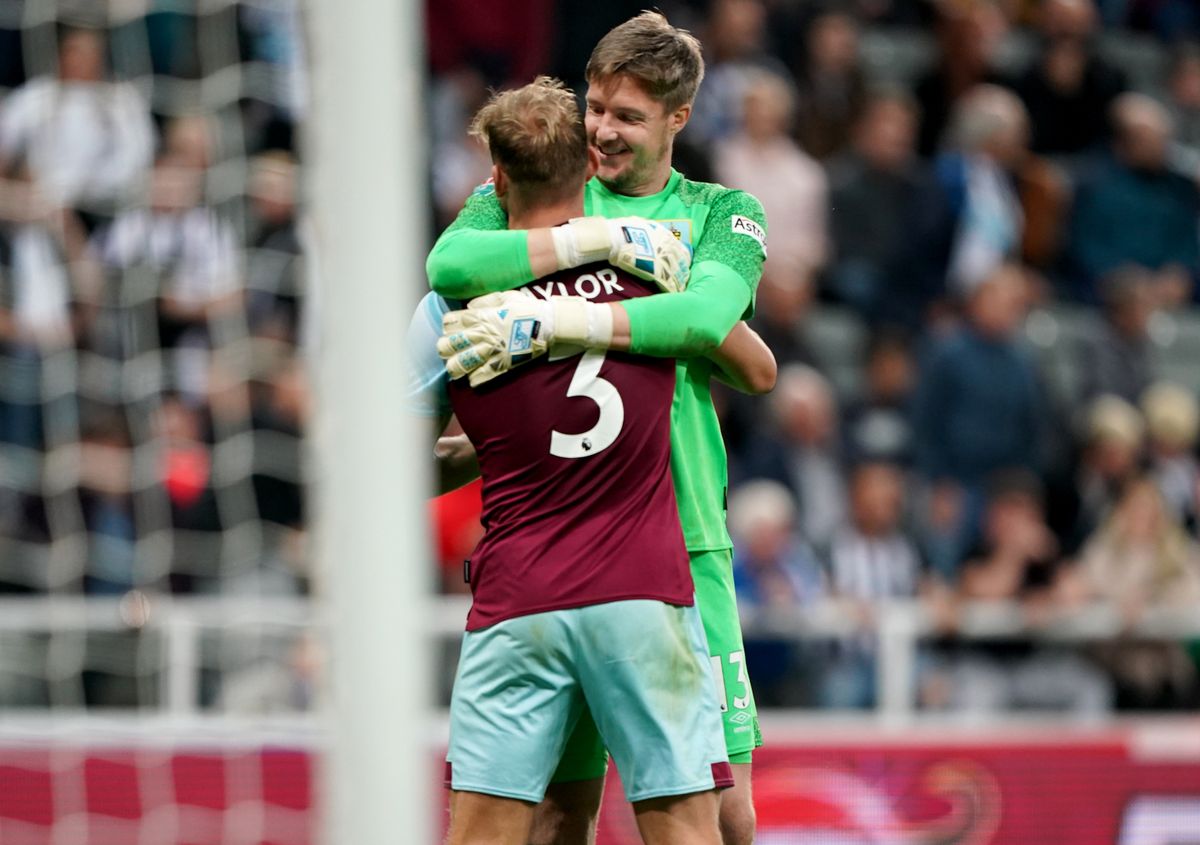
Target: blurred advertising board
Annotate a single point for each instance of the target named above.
(814, 784)
(968, 786)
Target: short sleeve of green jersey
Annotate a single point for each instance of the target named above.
(482, 210)
(477, 253)
(735, 235)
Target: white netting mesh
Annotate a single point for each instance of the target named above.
(153, 543)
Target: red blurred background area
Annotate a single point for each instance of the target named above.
(456, 530)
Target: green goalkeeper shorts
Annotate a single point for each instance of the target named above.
(584, 757)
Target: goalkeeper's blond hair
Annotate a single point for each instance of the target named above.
(665, 60)
(536, 135)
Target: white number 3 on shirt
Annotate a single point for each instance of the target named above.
(587, 382)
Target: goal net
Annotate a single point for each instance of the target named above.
(170, 606)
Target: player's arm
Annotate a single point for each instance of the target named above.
(744, 361)
(503, 329)
(726, 268)
(457, 462)
(425, 395)
(477, 255)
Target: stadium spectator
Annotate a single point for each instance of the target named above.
(882, 207)
(272, 34)
(1113, 443)
(43, 275)
(107, 503)
(185, 473)
(763, 159)
(967, 37)
(1068, 88)
(871, 560)
(280, 403)
(459, 162)
(1183, 100)
(772, 565)
(986, 147)
(1116, 356)
(1018, 554)
(190, 257)
(190, 140)
(88, 142)
(734, 45)
(801, 450)
(832, 84)
(782, 304)
(1017, 561)
(1139, 558)
(878, 426)
(1134, 210)
(275, 266)
(776, 575)
(1172, 423)
(978, 410)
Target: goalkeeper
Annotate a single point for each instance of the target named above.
(642, 79)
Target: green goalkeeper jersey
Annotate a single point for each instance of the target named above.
(726, 230)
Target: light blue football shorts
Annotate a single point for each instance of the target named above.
(641, 668)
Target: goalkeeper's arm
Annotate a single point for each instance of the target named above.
(744, 361)
(466, 263)
(694, 323)
(503, 329)
(473, 258)
(727, 266)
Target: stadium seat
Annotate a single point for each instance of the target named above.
(1176, 338)
(1140, 56)
(838, 338)
(896, 56)
(1056, 335)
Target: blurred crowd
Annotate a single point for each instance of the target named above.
(983, 266)
(152, 392)
(981, 286)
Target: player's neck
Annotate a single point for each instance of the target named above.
(655, 183)
(539, 215)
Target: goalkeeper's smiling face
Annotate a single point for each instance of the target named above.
(633, 134)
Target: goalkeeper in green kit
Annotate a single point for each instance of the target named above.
(642, 80)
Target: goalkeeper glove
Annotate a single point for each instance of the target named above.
(642, 247)
(499, 331)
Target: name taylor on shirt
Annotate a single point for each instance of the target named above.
(586, 285)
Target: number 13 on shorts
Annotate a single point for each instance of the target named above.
(735, 661)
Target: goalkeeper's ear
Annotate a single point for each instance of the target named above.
(499, 180)
(678, 119)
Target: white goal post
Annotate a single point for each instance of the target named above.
(368, 190)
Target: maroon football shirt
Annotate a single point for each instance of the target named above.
(578, 505)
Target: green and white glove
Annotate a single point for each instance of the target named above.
(647, 249)
(499, 331)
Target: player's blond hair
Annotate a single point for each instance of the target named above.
(665, 60)
(535, 134)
